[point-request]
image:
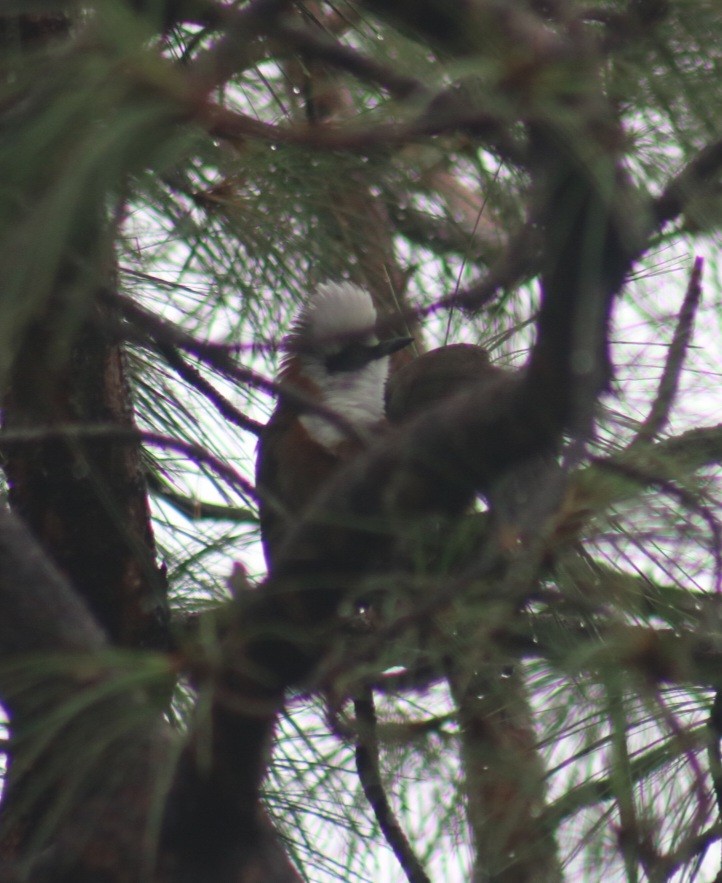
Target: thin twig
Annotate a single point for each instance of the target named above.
(194, 377)
(658, 415)
(196, 509)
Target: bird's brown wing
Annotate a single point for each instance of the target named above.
(435, 376)
(290, 470)
(439, 375)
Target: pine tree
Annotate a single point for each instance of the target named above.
(534, 701)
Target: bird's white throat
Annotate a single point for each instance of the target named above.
(356, 396)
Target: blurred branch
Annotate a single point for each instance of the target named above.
(702, 171)
(690, 653)
(586, 585)
(41, 617)
(318, 45)
(628, 831)
(503, 771)
(233, 125)
(519, 261)
(233, 50)
(441, 235)
(460, 29)
(634, 23)
(657, 655)
(39, 612)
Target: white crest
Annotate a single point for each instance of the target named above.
(337, 309)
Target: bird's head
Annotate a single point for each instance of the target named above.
(336, 330)
(334, 352)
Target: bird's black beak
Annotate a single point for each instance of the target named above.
(387, 347)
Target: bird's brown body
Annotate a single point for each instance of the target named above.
(286, 492)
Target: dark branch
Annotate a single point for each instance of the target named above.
(50, 644)
(319, 46)
(193, 377)
(519, 261)
(231, 53)
(234, 126)
(39, 612)
(695, 177)
(369, 773)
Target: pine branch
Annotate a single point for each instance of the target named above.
(193, 377)
(219, 357)
(369, 773)
(128, 435)
(364, 138)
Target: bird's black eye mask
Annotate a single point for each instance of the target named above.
(356, 354)
(351, 357)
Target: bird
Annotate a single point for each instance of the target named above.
(335, 360)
